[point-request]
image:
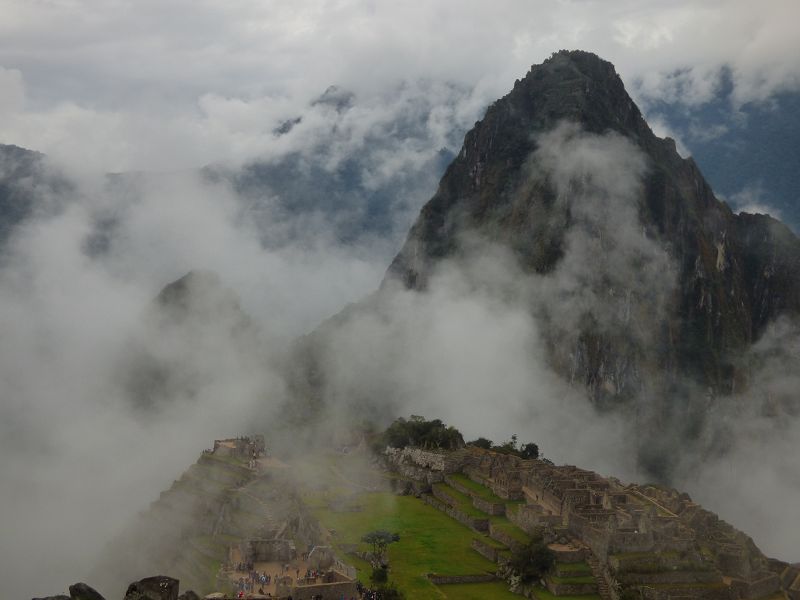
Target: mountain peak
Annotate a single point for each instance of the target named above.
(581, 87)
(555, 150)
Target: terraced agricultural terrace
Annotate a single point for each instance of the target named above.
(448, 547)
(241, 521)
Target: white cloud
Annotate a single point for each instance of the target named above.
(146, 84)
(12, 92)
(751, 200)
(180, 83)
(77, 459)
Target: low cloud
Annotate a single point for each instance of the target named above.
(751, 200)
(144, 85)
(749, 469)
(78, 282)
(481, 347)
(78, 316)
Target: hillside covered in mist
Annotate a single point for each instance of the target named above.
(572, 279)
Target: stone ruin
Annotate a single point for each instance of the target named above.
(336, 580)
(246, 447)
(640, 536)
(267, 550)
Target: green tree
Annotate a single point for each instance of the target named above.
(481, 442)
(529, 450)
(417, 431)
(532, 562)
(380, 575)
(379, 540)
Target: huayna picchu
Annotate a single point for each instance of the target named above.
(647, 291)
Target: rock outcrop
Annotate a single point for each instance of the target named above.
(82, 591)
(159, 587)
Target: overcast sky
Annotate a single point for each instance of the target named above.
(162, 84)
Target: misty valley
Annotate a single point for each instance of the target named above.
(404, 354)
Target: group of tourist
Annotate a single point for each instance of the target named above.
(247, 585)
(312, 575)
(370, 594)
(366, 593)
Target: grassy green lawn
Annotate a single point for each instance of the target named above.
(713, 585)
(496, 590)
(430, 541)
(638, 555)
(462, 501)
(491, 542)
(543, 594)
(578, 579)
(507, 527)
(480, 490)
(575, 569)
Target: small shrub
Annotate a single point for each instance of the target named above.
(532, 562)
(379, 575)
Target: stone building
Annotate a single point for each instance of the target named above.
(246, 447)
(654, 539)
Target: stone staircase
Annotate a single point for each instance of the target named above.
(597, 571)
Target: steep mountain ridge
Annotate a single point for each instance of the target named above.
(647, 292)
(735, 273)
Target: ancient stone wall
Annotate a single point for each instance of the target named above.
(665, 577)
(455, 579)
(455, 484)
(491, 508)
(546, 498)
(478, 524)
(323, 591)
(484, 549)
(441, 461)
(530, 518)
(763, 587)
(706, 593)
(501, 536)
(569, 555)
(571, 589)
(733, 563)
(320, 557)
(621, 542)
(267, 550)
(673, 545)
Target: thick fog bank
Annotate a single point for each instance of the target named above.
(83, 340)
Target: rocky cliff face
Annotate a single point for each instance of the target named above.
(645, 289)
(721, 278)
